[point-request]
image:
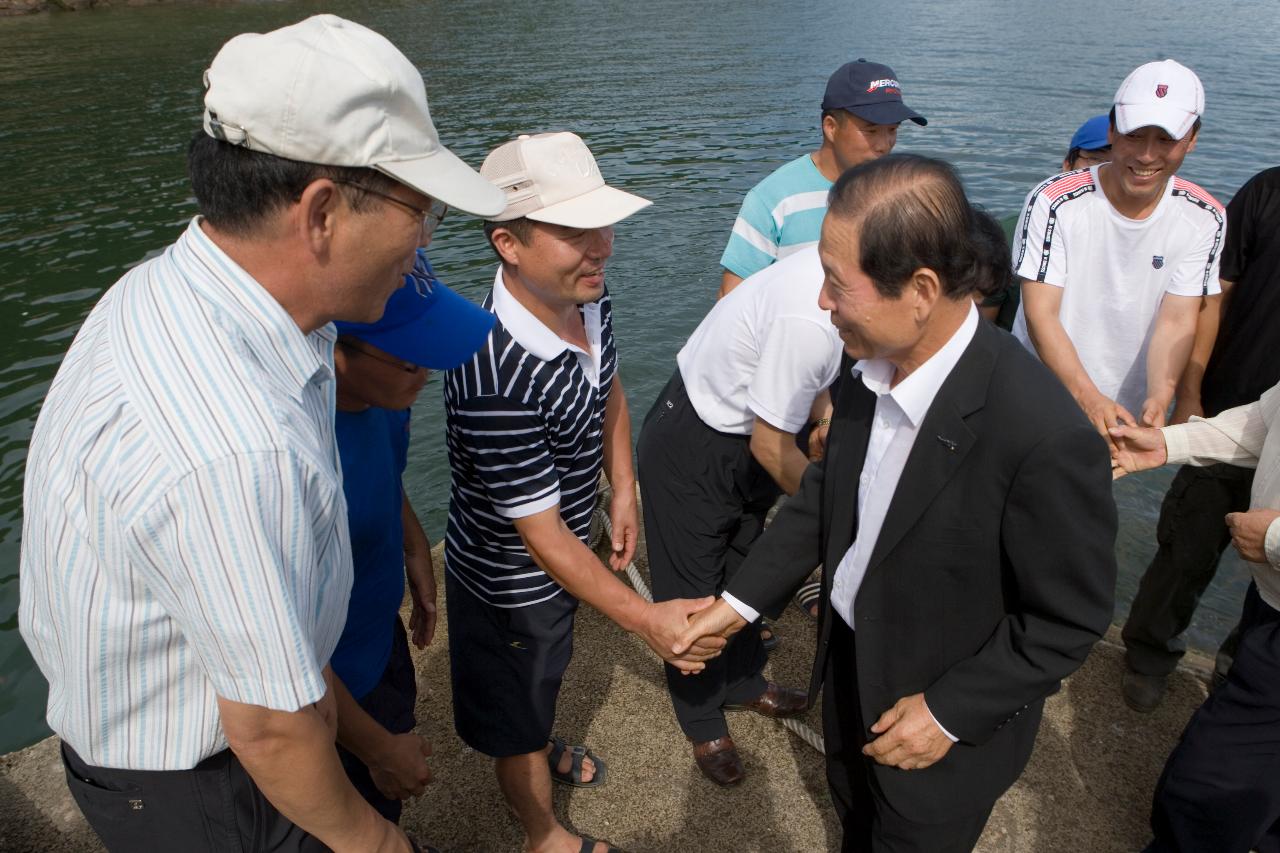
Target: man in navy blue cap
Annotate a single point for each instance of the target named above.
(380, 368)
(861, 110)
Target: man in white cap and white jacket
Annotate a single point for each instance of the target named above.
(186, 564)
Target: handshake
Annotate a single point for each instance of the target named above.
(687, 633)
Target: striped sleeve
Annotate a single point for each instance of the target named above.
(1198, 272)
(753, 245)
(1039, 241)
(230, 551)
(513, 462)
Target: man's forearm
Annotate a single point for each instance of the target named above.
(561, 554)
(618, 466)
(357, 731)
(777, 453)
(291, 758)
(1059, 355)
(1170, 347)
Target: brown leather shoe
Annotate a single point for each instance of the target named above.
(719, 761)
(776, 701)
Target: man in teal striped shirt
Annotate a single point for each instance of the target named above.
(861, 111)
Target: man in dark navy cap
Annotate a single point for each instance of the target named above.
(861, 111)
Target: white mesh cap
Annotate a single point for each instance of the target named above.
(329, 91)
(552, 177)
(1163, 94)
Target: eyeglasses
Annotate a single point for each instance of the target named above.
(431, 217)
(1094, 156)
(406, 366)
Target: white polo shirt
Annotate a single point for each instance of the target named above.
(765, 350)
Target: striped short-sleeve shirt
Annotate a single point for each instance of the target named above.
(525, 433)
(185, 534)
(780, 216)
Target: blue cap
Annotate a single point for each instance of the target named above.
(870, 91)
(1092, 135)
(426, 323)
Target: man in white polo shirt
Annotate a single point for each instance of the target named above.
(186, 563)
(532, 419)
(717, 449)
(1115, 260)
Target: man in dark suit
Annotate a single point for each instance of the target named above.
(965, 503)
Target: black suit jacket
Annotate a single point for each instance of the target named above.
(993, 574)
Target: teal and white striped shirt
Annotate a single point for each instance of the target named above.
(780, 216)
(185, 532)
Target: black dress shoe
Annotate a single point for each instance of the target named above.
(719, 760)
(1142, 693)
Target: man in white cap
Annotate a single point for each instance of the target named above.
(1115, 261)
(186, 563)
(532, 419)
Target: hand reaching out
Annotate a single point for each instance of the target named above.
(1136, 449)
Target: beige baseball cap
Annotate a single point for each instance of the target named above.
(1164, 94)
(552, 177)
(330, 91)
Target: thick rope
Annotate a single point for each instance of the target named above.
(602, 527)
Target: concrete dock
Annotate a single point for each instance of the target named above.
(1088, 786)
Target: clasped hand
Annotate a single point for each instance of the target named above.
(707, 628)
(668, 622)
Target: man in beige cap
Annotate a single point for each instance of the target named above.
(186, 563)
(532, 420)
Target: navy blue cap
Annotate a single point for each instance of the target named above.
(426, 323)
(870, 91)
(1092, 135)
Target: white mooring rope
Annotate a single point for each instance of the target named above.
(604, 526)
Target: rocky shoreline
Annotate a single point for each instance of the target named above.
(11, 8)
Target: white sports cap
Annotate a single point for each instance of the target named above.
(332, 92)
(552, 177)
(1163, 94)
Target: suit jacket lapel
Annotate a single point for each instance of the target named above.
(941, 444)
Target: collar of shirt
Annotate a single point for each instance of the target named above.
(914, 395)
(532, 334)
(250, 312)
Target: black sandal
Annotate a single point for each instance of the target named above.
(808, 596)
(589, 846)
(574, 775)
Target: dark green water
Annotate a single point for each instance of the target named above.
(686, 103)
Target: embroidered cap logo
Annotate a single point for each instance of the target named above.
(1161, 90)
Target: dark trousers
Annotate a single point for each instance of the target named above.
(1220, 790)
(869, 823)
(1192, 536)
(705, 499)
(213, 808)
(390, 703)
